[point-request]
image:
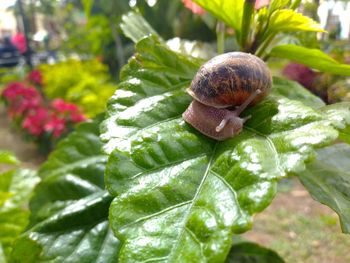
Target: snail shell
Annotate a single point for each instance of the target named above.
(231, 79)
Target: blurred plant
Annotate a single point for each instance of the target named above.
(35, 77)
(196, 9)
(16, 188)
(40, 121)
(85, 83)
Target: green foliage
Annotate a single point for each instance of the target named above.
(83, 83)
(228, 11)
(295, 91)
(70, 206)
(135, 27)
(328, 180)
(248, 252)
(7, 157)
(16, 188)
(289, 20)
(313, 58)
(198, 191)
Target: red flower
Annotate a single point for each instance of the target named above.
(35, 121)
(77, 117)
(63, 107)
(55, 125)
(35, 77)
(21, 99)
(196, 9)
(67, 110)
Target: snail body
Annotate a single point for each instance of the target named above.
(234, 79)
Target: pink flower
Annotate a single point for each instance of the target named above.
(63, 107)
(55, 125)
(67, 110)
(12, 90)
(21, 99)
(19, 40)
(261, 3)
(76, 118)
(35, 77)
(35, 120)
(196, 9)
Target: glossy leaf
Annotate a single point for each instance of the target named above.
(338, 114)
(7, 158)
(247, 252)
(328, 181)
(168, 74)
(228, 11)
(135, 27)
(288, 20)
(16, 186)
(293, 90)
(69, 221)
(192, 48)
(313, 58)
(178, 194)
(278, 4)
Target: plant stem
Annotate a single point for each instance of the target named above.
(265, 44)
(220, 37)
(246, 21)
(118, 45)
(295, 4)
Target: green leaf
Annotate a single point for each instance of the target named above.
(135, 27)
(7, 158)
(228, 11)
(178, 194)
(87, 4)
(289, 20)
(313, 58)
(177, 72)
(2, 255)
(191, 48)
(69, 220)
(338, 114)
(293, 90)
(247, 252)
(278, 4)
(328, 181)
(17, 187)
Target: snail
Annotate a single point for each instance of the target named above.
(222, 88)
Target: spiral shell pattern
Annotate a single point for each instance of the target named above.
(228, 80)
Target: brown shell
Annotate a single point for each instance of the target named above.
(228, 80)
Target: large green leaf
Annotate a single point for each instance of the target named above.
(338, 114)
(293, 90)
(69, 221)
(135, 27)
(313, 58)
(180, 195)
(289, 20)
(247, 252)
(7, 157)
(229, 11)
(16, 186)
(328, 180)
